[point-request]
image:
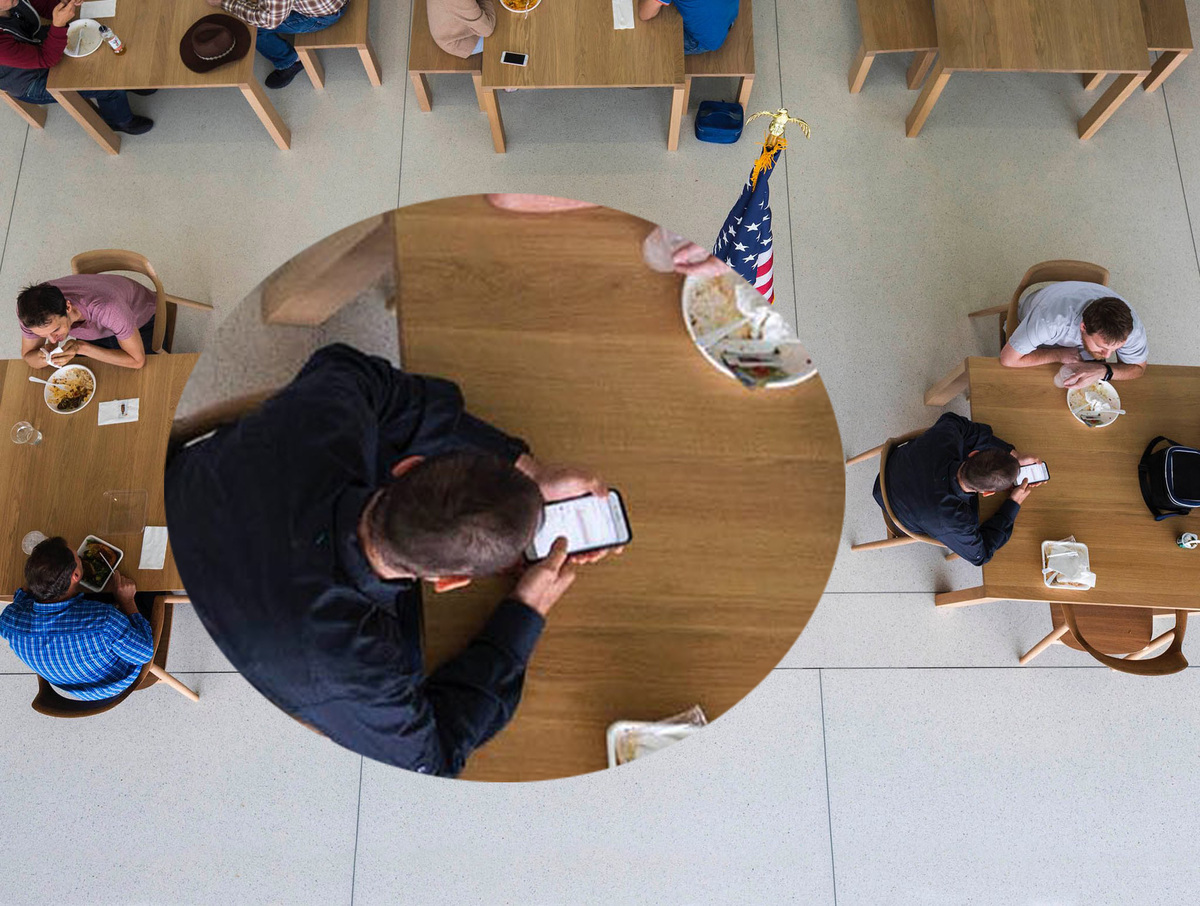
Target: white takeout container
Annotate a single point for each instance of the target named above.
(83, 547)
(1080, 549)
(796, 360)
(89, 43)
(63, 372)
(1105, 391)
(622, 727)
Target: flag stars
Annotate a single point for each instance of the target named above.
(738, 247)
(753, 227)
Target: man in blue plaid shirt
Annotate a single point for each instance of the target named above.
(88, 649)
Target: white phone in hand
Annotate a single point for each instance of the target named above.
(589, 523)
(1035, 473)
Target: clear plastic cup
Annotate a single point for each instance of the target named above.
(30, 541)
(25, 433)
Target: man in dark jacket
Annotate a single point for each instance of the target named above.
(28, 49)
(935, 480)
(303, 530)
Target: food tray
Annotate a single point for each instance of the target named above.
(120, 556)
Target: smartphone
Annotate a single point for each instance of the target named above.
(512, 58)
(1035, 473)
(589, 523)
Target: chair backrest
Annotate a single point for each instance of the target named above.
(889, 515)
(1169, 661)
(1059, 270)
(49, 702)
(101, 261)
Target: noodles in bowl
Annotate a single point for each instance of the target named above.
(70, 389)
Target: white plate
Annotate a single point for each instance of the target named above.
(796, 360)
(66, 371)
(1106, 392)
(90, 40)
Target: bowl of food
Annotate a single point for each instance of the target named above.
(1096, 405)
(70, 388)
(741, 335)
(83, 38)
(100, 560)
(519, 6)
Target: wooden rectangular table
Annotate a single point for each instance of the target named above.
(572, 44)
(1093, 490)
(57, 487)
(152, 31)
(1078, 36)
(558, 332)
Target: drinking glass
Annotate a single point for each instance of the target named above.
(30, 541)
(25, 433)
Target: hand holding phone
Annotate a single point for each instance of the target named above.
(1035, 473)
(589, 523)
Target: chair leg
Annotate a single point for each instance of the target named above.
(313, 66)
(879, 545)
(950, 555)
(1045, 643)
(421, 86)
(687, 92)
(173, 683)
(1167, 63)
(869, 454)
(371, 63)
(919, 68)
(744, 89)
(33, 114)
(859, 68)
(1164, 639)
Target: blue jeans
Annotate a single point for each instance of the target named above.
(146, 331)
(279, 51)
(114, 105)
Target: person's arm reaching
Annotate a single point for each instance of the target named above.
(20, 55)
(132, 353)
(486, 23)
(977, 547)
(972, 435)
(648, 9)
(133, 637)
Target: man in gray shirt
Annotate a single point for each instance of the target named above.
(1074, 322)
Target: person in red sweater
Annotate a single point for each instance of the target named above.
(28, 48)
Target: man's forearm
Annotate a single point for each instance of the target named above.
(118, 357)
(1010, 358)
(1126, 372)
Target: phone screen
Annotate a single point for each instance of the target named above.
(588, 523)
(1035, 473)
(513, 58)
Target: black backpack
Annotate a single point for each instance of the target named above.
(1170, 479)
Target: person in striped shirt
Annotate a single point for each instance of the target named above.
(86, 648)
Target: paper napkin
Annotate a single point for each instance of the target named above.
(98, 9)
(154, 547)
(114, 412)
(622, 14)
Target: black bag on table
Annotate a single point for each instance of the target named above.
(1170, 478)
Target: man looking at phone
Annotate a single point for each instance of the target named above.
(934, 482)
(1078, 324)
(86, 648)
(105, 317)
(302, 532)
(28, 49)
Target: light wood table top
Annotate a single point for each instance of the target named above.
(1092, 37)
(57, 487)
(152, 31)
(557, 331)
(1093, 490)
(1042, 35)
(572, 44)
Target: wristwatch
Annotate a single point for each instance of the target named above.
(1107, 371)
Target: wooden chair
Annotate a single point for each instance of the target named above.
(895, 26)
(897, 534)
(1116, 631)
(49, 702)
(1046, 272)
(426, 58)
(33, 114)
(104, 260)
(352, 30)
(1167, 32)
(733, 59)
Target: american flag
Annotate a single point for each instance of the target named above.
(745, 240)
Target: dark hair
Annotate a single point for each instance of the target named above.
(1110, 318)
(38, 303)
(459, 514)
(48, 571)
(992, 469)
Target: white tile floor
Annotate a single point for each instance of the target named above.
(898, 755)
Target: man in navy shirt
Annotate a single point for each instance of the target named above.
(86, 648)
(705, 22)
(302, 531)
(934, 482)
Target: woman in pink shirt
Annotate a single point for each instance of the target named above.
(104, 317)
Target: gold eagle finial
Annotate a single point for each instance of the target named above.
(779, 120)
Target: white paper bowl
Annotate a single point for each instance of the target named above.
(1106, 391)
(120, 557)
(65, 371)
